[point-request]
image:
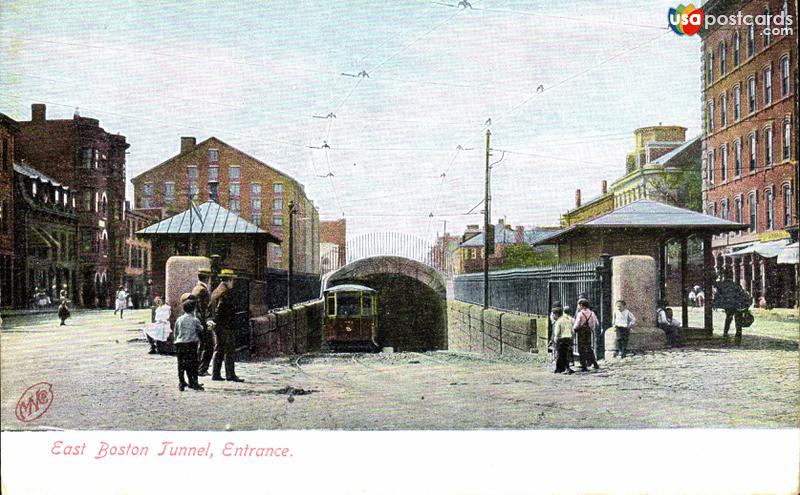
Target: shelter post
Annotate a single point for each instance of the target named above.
(684, 282)
(709, 275)
(662, 270)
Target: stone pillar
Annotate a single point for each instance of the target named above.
(634, 280)
(181, 277)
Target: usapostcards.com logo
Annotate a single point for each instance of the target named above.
(687, 20)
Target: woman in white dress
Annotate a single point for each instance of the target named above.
(159, 330)
(121, 302)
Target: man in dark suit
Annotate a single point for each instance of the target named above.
(223, 305)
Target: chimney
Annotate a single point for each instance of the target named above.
(187, 143)
(577, 198)
(520, 234)
(38, 112)
(604, 187)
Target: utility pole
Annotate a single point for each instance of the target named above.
(486, 220)
(290, 276)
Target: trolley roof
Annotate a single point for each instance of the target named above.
(349, 288)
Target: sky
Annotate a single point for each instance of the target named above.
(259, 75)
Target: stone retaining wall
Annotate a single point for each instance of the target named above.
(284, 332)
(491, 331)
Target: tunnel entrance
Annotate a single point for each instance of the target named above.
(412, 303)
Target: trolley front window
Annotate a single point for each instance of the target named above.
(367, 305)
(331, 305)
(348, 304)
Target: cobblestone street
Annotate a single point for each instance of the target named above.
(103, 378)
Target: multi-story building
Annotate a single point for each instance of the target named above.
(216, 171)
(750, 161)
(470, 253)
(7, 130)
(333, 245)
(45, 232)
(663, 166)
(138, 256)
(82, 156)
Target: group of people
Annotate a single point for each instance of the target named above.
(587, 329)
(697, 297)
(204, 335)
(584, 326)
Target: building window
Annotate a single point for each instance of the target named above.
(724, 162)
(753, 152)
(4, 220)
(767, 32)
(736, 49)
(213, 155)
(751, 40)
(737, 158)
(712, 209)
(723, 58)
(6, 153)
(737, 103)
(710, 67)
(768, 86)
(255, 190)
(213, 192)
(86, 158)
(712, 156)
(723, 209)
(277, 220)
(723, 109)
(785, 75)
(191, 172)
(787, 205)
(711, 115)
(169, 193)
(213, 174)
(737, 209)
(87, 200)
(255, 212)
(769, 207)
(234, 195)
(768, 146)
(787, 140)
(753, 211)
(277, 189)
(751, 94)
(277, 252)
(234, 173)
(277, 204)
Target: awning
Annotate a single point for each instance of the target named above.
(790, 255)
(764, 249)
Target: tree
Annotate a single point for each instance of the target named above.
(682, 187)
(524, 255)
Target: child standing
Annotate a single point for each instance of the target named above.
(187, 335)
(585, 323)
(562, 338)
(63, 312)
(623, 322)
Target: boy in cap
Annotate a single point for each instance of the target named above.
(562, 337)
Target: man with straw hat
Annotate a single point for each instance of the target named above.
(203, 294)
(223, 305)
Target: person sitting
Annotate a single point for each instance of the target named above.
(157, 333)
(671, 328)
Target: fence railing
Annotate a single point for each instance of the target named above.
(534, 290)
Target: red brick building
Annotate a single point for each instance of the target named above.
(213, 170)
(81, 155)
(138, 256)
(7, 130)
(749, 149)
(333, 245)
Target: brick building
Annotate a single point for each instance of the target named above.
(470, 253)
(81, 155)
(216, 171)
(333, 245)
(750, 160)
(7, 130)
(138, 256)
(45, 232)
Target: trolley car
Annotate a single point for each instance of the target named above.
(351, 317)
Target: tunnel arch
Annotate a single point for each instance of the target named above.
(412, 300)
